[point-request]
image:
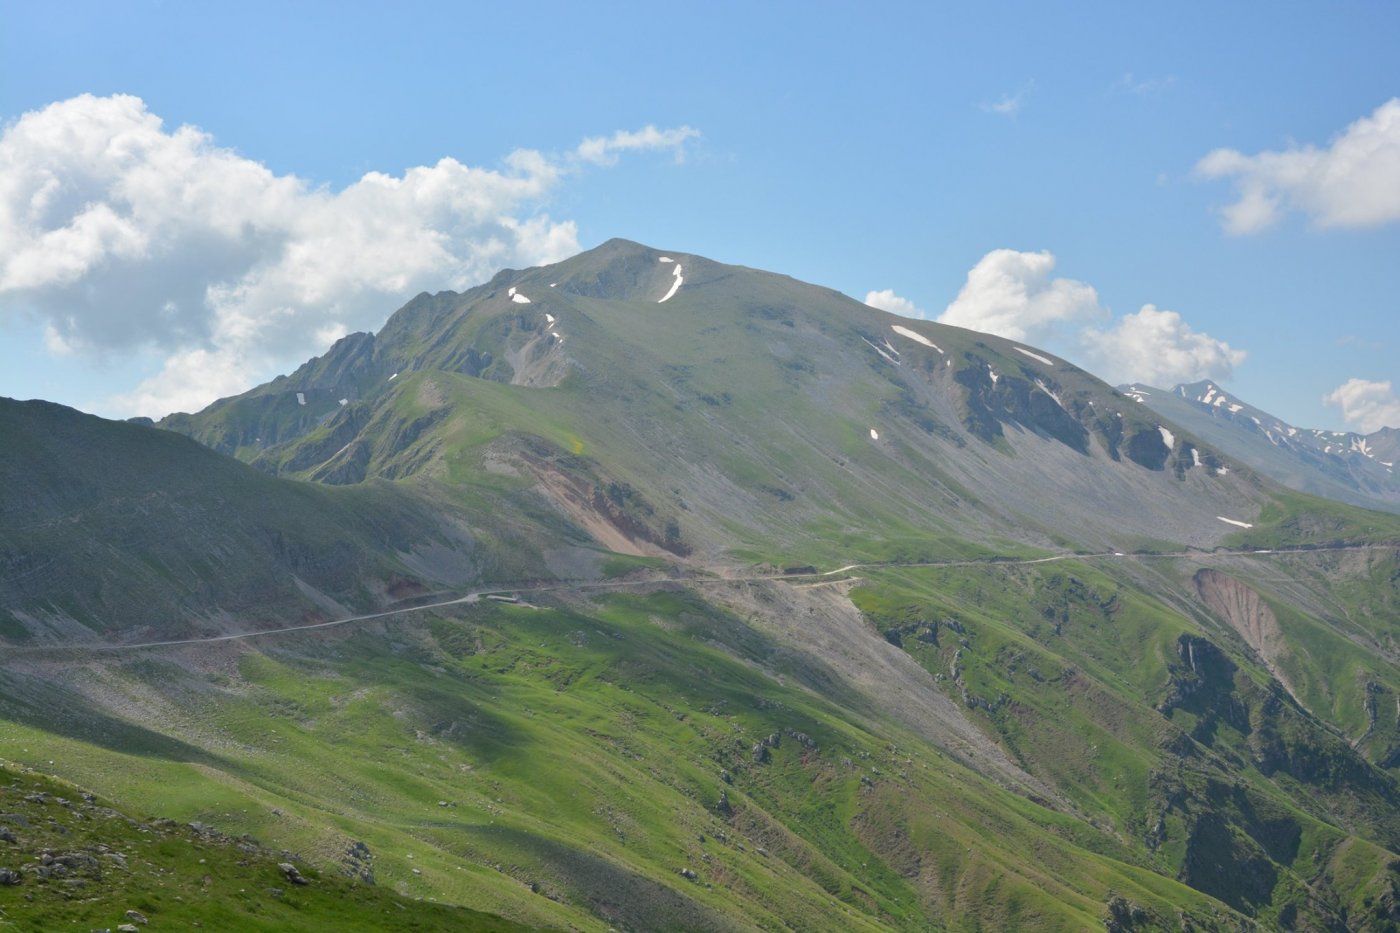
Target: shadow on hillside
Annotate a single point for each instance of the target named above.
(38, 704)
(612, 891)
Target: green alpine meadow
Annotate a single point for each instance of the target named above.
(645, 592)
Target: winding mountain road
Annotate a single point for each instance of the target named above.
(689, 580)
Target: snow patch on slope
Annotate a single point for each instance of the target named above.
(881, 350)
(1231, 521)
(914, 336)
(1168, 437)
(675, 286)
(1034, 356)
(1046, 389)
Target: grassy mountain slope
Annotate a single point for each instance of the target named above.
(1057, 691)
(71, 858)
(581, 765)
(112, 529)
(748, 414)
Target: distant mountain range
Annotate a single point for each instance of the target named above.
(1349, 467)
(641, 591)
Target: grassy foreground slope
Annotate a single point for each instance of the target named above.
(68, 858)
(610, 763)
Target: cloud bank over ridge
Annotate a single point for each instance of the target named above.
(119, 234)
(1012, 294)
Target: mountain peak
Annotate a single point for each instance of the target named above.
(621, 270)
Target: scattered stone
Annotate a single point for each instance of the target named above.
(6, 835)
(127, 928)
(7, 876)
(723, 806)
(802, 738)
(358, 861)
(689, 875)
(726, 777)
(760, 753)
(289, 871)
(135, 916)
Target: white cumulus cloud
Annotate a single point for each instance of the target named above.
(1157, 347)
(1366, 405)
(886, 300)
(118, 234)
(1353, 182)
(1011, 294)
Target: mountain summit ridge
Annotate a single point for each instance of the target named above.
(723, 372)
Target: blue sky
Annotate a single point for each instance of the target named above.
(1058, 153)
